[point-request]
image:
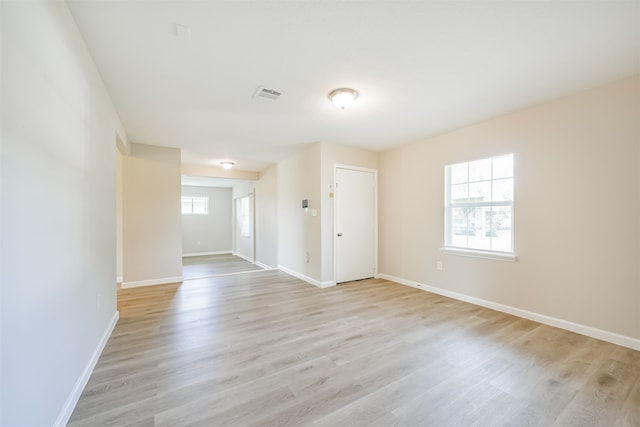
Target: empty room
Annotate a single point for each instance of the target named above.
(319, 213)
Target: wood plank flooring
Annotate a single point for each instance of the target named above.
(199, 267)
(266, 349)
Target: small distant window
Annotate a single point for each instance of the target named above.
(245, 217)
(195, 206)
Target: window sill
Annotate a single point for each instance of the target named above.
(498, 256)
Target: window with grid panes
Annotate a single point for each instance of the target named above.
(479, 204)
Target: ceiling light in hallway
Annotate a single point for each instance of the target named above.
(343, 97)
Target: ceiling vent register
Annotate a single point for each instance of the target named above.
(268, 94)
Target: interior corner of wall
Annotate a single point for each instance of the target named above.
(123, 144)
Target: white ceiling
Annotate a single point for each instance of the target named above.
(421, 67)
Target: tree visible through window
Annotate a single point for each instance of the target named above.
(479, 204)
(195, 205)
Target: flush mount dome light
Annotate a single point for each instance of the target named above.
(227, 165)
(343, 97)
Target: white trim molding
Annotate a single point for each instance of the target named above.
(81, 382)
(161, 281)
(589, 331)
(476, 253)
(207, 276)
(207, 253)
(264, 266)
(243, 257)
(119, 280)
(307, 279)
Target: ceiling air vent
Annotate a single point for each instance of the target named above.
(267, 94)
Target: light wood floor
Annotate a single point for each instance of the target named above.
(196, 267)
(267, 349)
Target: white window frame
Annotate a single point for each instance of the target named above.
(245, 216)
(191, 200)
(449, 223)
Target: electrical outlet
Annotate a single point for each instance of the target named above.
(306, 256)
(439, 265)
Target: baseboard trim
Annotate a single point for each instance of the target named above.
(307, 279)
(589, 331)
(243, 257)
(119, 279)
(162, 281)
(264, 266)
(78, 388)
(206, 253)
(236, 273)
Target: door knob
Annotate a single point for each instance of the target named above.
(339, 234)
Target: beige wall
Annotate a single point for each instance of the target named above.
(152, 220)
(577, 210)
(218, 172)
(266, 196)
(298, 231)
(58, 132)
(332, 154)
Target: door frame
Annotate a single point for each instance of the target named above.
(235, 226)
(337, 166)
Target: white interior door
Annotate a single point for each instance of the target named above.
(355, 225)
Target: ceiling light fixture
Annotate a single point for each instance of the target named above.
(227, 165)
(343, 97)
